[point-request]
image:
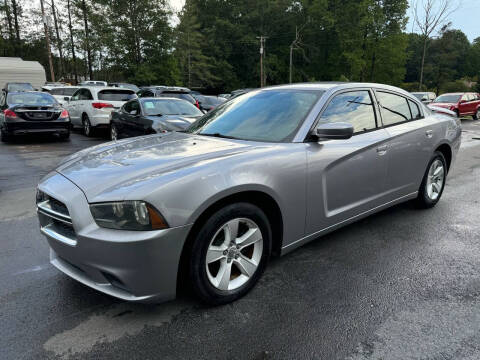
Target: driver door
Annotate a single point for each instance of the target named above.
(347, 177)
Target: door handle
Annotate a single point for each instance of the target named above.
(382, 150)
(429, 133)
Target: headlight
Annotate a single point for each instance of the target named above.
(128, 215)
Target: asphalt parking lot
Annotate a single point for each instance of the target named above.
(402, 284)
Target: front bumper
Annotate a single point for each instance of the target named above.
(130, 265)
(20, 127)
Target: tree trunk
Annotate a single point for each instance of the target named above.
(59, 40)
(423, 62)
(15, 18)
(72, 43)
(87, 40)
(10, 26)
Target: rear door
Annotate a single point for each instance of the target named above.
(72, 108)
(410, 144)
(347, 177)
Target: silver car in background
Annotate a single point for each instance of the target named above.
(261, 174)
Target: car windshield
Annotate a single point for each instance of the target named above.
(448, 99)
(420, 96)
(20, 87)
(210, 100)
(178, 95)
(129, 86)
(169, 107)
(116, 95)
(33, 99)
(270, 116)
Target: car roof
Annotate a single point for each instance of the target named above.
(335, 85)
(457, 93)
(100, 88)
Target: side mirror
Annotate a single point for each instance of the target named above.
(66, 98)
(338, 130)
(463, 101)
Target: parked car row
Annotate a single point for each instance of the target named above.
(460, 104)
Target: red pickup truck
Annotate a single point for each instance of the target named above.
(464, 104)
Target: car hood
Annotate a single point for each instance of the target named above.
(173, 122)
(442, 105)
(104, 171)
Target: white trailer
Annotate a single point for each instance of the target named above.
(14, 69)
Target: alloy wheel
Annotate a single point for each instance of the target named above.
(435, 179)
(86, 126)
(234, 254)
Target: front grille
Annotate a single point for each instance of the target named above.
(59, 221)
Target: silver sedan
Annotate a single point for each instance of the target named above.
(260, 175)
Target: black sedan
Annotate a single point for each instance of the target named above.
(32, 112)
(152, 115)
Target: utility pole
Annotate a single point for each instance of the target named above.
(47, 39)
(262, 54)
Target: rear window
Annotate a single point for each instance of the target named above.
(20, 87)
(116, 95)
(35, 99)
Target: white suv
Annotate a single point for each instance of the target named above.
(90, 107)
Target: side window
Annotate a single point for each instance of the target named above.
(88, 95)
(416, 114)
(135, 107)
(395, 108)
(76, 96)
(465, 97)
(355, 107)
(127, 107)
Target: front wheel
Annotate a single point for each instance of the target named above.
(229, 253)
(113, 132)
(433, 181)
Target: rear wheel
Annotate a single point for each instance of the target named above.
(87, 126)
(433, 181)
(477, 115)
(229, 253)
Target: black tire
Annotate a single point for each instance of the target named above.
(423, 199)
(112, 128)
(477, 115)
(458, 113)
(201, 284)
(87, 126)
(4, 137)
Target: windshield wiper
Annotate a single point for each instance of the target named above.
(220, 136)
